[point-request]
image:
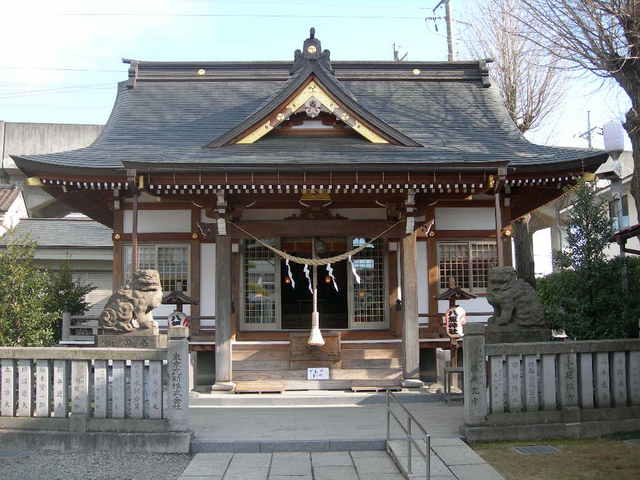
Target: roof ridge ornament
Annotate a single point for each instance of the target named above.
(311, 52)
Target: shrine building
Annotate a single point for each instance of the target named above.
(251, 185)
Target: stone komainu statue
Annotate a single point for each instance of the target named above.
(129, 309)
(515, 303)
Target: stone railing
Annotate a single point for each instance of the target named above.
(96, 389)
(549, 389)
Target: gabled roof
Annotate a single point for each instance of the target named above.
(62, 232)
(8, 195)
(312, 71)
(169, 115)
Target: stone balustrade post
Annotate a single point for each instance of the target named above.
(475, 375)
(177, 409)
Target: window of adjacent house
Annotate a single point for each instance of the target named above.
(171, 261)
(260, 271)
(467, 262)
(619, 212)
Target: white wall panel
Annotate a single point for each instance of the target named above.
(159, 221)
(478, 305)
(452, 218)
(207, 279)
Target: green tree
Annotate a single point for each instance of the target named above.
(585, 297)
(25, 319)
(589, 229)
(588, 303)
(66, 295)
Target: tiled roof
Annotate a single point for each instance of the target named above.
(171, 114)
(8, 195)
(62, 232)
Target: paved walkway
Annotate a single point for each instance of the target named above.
(449, 461)
(229, 424)
(324, 443)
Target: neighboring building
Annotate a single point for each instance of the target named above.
(84, 244)
(28, 138)
(12, 207)
(621, 208)
(315, 158)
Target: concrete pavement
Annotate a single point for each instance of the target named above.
(449, 461)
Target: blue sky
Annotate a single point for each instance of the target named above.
(61, 60)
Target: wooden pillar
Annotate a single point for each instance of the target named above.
(410, 343)
(223, 313)
(118, 250)
(194, 326)
(499, 244)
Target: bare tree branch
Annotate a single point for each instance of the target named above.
(527, 77)
(600, 36)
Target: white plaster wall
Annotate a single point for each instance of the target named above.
(163, 311)
(478, 304)
(423, 283)
(453, 218)
(12, 216)
(159, 221)
(97, 298)
(207, 279)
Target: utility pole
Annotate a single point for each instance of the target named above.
(448, 18)
(590, 130)
(396, 54)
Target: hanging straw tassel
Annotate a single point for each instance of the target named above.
(356, 277)
(307, 274)
(290, 274)
(330, 273)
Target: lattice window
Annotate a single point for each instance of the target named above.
(171, 261)
(259, 273)
(467, 262)
(369, 300)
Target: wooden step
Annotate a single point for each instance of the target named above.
(259, 387)
(377, 388)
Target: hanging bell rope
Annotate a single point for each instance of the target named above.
(317, 261)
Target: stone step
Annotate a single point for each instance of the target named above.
(306, 398)
(267, 446)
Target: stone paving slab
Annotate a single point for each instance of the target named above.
(476, 472)
(331, 459)
(452, 461)
(458, 455)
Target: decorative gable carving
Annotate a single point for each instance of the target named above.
(313, 88)
(312, 99)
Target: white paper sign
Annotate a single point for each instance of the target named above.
(317, 374)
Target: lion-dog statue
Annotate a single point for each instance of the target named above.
(518, 312)
(129, 309)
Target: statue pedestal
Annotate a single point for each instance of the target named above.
(131, 340)
(498, 335)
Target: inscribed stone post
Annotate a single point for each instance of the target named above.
(475, 375)
(178, 366)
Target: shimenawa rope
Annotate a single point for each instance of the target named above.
(316, 261)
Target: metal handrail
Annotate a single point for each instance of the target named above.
(409, 438)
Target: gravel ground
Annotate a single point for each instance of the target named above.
(91, 466)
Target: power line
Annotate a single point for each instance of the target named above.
(46, 91)
(60, 69)
(232, 15)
